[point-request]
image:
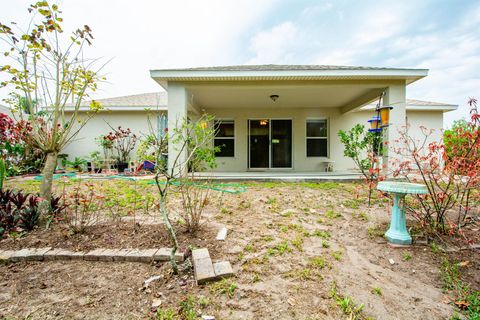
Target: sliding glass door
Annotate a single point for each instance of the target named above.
(270, 143)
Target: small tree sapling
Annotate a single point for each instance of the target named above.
(45, 73)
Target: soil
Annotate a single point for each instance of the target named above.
(295, 248)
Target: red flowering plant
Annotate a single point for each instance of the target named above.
(451, 171)
(16, 148)
(124, 141)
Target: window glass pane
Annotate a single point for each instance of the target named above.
(317, 148)
(224, 129)
(316, 128)
(227, 147)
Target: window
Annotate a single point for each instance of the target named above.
(317, 138)
(225, 138)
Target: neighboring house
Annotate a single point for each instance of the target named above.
(5, 110)
(274, 117)
(134, 112)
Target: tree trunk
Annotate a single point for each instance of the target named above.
(3, 173)
(47, 175)
(173, 237)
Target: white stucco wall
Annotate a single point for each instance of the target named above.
(337, 121)
(5, 110)
(137, 121)
(428, 119)
(85, 143)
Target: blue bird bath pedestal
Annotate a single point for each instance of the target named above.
(397, 234)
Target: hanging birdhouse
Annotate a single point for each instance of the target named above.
(385, 115)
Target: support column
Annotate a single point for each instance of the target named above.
(394, 97)
(177, 114)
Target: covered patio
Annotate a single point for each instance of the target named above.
(339, 176)
(283, 120)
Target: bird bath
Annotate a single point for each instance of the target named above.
(397, 233)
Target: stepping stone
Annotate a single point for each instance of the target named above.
(202, 265)
(163, 254)
(223, 269)
(222, 234)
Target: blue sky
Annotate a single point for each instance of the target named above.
(440, 35)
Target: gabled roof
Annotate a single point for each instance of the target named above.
(274, 72)
(153, 100)
(276, 67)
(158, 101)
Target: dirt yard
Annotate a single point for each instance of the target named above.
(299, 251)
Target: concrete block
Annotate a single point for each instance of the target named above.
(200, 254)
(20, 255)
(223, 269)
(37, 254)
(93, 255)
(6, 255)
(121, 254)
(62, 254)
(222, 234)
(202, 265)
(107, 255)
(163, 254)
(137, 255)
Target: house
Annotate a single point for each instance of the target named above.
(5, 110)
(278, 118)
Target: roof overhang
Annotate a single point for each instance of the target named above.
(120, 109)
(413, 107)
(163, 76)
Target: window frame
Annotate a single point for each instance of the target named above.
(217, 120)
(327, 137)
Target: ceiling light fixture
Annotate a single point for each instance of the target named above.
(274, 97)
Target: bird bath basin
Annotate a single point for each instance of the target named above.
(397, 233)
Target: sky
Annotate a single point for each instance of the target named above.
(137, 36)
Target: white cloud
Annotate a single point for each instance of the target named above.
(149, 34)
(276, 45)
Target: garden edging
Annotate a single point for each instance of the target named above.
(101, 254)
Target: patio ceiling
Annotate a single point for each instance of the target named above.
(289, 96)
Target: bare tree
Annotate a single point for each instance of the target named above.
(194, 143)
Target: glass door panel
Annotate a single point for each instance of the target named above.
(259, 143)
(281, 141)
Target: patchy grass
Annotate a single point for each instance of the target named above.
(224, 286)
(375, 232)
(331, 214)
(337, 255)
(346, 303)
(466, 299)
(377, 291)
(321, 234)
(407, 256)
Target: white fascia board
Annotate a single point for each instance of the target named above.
(402, 73)
(120, 108)
(444, 108)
